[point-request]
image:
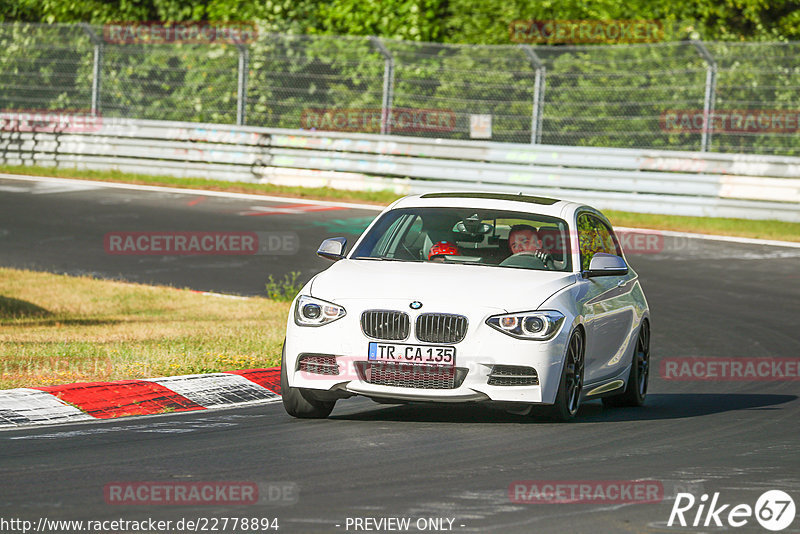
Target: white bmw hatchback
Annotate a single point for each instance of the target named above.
(471, 297)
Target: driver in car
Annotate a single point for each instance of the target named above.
(524, 239)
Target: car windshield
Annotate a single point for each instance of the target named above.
(468, 236)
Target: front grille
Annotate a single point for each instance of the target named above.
(407, 375)
(441, 327)
(385, 324)
(513, 375)
(320, 364)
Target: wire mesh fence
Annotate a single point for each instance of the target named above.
(716, 96)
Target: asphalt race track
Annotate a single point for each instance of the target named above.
(708, 299)
(61, 228)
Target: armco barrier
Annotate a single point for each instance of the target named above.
(679, 183)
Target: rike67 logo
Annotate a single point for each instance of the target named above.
(774, 510)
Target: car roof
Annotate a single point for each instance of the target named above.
(491, 200)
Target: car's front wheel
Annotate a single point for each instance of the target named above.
(636, 390)
(568, 398)
(298, 402)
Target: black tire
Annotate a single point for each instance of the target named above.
(636, 389)
(298, 402)
(568, 398)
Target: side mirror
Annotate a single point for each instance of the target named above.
(603, 264)
(333, 248)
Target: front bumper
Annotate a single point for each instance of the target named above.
(481, 349)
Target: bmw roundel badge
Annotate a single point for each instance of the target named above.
(415, 305)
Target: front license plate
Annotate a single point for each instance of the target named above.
(426, 354)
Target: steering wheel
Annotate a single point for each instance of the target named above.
(545, 257)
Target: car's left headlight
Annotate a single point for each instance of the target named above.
(310, 311)
(538, 325)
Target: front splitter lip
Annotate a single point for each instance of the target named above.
(422, 395)
(471, 390)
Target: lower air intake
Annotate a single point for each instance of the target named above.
(513, 375)
(319, 364)
(406, 375)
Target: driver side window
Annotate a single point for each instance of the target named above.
(594, 236)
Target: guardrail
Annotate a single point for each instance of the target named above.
(649, 181)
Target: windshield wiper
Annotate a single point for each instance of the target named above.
(470, 263)
(380, 258)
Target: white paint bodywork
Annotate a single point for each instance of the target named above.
(609, 309)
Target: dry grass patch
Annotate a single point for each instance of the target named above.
(58, 329)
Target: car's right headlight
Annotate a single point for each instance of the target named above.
(538, 325)
(311, 311)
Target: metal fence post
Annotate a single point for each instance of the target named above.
(538, 94)
(241, 85)
(97, 62)
(710, 94)
(388, 85)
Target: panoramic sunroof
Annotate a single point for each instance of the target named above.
(494, 196)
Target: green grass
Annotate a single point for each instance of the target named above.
(779, 230)
(57, 329)
(284, 290)
(782, 231)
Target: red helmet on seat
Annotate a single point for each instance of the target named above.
(442, 248)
